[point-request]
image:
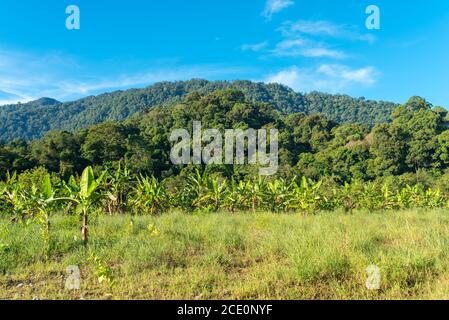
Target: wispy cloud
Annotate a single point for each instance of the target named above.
(7, 98)
(285, 46)
(123, 81)
(323, 53)
(324, 29)
(311, 28)
(25, 76)
(312, 39)
(306, 48)
(345, 75)
(256, 47)
(274, 6)
(331, 78)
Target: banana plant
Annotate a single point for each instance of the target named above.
(245, 195)
(214, 194)
(388, 197)
(370, 197)
(232, 196)
(239, 196)
(4, 237)
(70, 190)
(3, 202)
(415, 196)
(403, 198)
(196, 188)
(306, 195)
(434, 198)
(16, 201)
(345, 197)
(43, 200)
(255, 191)
(85, 195)
(117, 186)
(278, 195)
(150, 195)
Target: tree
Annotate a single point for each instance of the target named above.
(422, 125)
(389, 149)
(441, 156)
(59, 151)
(106, 143)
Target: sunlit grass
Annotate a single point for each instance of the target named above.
(239, 256)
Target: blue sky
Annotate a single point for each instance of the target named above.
(307, 45)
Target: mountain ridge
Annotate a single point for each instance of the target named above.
(30, 121)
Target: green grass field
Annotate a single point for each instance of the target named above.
(224, 256)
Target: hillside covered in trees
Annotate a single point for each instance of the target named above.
(32, 120)
(415, 143)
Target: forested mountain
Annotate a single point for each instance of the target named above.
(32, 120)
(415, 143)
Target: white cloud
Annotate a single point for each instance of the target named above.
(254, 47)
(8, 98)
(316, 39)
(274, 6)
(331, 78)
(25, 77)
(323, 53)
(289, 77)
(100, 84)
(289, 44)
(326, 29)
(305, 48)
(311, 27)
(364, 76)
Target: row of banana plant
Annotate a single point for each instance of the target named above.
(39, 200)
(302, 195)
(120, 191)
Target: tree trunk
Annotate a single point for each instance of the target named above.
(84, 232)
(254, 205)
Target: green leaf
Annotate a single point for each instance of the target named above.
(46, 186)
(87, 183)
(72, 182)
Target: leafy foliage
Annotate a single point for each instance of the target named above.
(204, 192)
(414, 143)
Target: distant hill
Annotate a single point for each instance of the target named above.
(32, 120)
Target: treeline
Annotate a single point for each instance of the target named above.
(33, 120)
(414, 145)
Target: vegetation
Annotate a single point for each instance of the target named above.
(413, 146)
(22, 198)
(239, 256)
(33, 120)
(345, 197)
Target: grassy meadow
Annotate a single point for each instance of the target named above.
(231, 256)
